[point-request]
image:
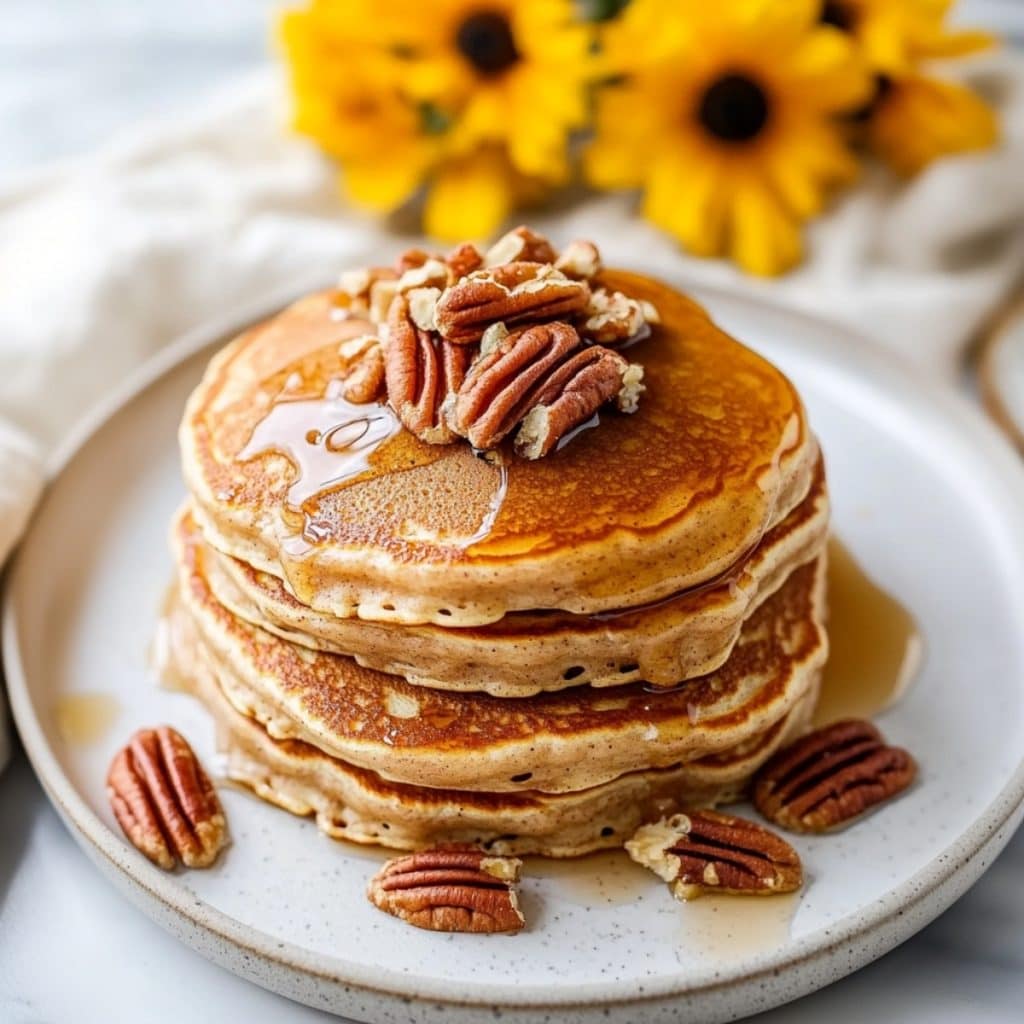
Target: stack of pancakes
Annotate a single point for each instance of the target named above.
(416, 644)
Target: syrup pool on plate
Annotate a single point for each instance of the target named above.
(875, 647)
(85, 718)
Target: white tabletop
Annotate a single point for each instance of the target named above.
(71, 947)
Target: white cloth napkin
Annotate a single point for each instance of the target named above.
(104, 260)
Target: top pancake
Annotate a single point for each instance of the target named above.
(391, 529)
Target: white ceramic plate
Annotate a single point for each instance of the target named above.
(926, 494)
(1002, 372)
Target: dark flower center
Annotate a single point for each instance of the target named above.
(485, 40)
(734, 108)
(883, 86)
(837, 14)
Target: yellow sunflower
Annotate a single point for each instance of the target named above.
(346, 96)
(914, 118)
(725, 118)
(474, 97)
(894, 34)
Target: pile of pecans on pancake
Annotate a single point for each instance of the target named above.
(478, 345)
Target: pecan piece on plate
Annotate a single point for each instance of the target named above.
(831, 776)
(705, 851)
(421, 371)
(572, 393)
(519, 245)
(363, 379)
(510, 293)
(456, 888)
(495, 394)
(164, 801)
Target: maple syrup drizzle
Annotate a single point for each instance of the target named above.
(494, 506)
(594, 421)
(875, 645)
(329, 440)
(85, 718)
(722, 926)
(606, 878)
(332, 442)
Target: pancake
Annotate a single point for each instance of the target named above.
(360, 519)
(358, 805)
(525, 653)
(553, 743)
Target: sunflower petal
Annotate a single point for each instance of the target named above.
(765, 238)
(469, 198)
(922, 119)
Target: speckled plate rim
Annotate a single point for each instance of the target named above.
(992, 394)
(768, 979)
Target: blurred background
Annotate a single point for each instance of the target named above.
(75, 72)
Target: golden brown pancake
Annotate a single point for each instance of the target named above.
(361, 519)
(358, 805)
(525, 653)
(554, 743)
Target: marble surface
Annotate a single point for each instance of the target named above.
(73, 72)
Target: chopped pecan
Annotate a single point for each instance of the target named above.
(356, 287)
(164, 801)
(382, 293)
(496, 393)
(704, 851)
(511, 293)
(831, 776)
(422, 307)
(363, 379)
(421, 371)
(434, 273)
(569, 396)
(520, 245)
(455, 888)
(412, 258)
(579, 259)
(463, 260)
(612, 318)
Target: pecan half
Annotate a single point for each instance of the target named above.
(497, 391)
(421, 371)
(511, 293)
(519, 245)
(569, 396)
(704, 851)
(831, 776)
(164, 801)
(455, 888)
(363, 379)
